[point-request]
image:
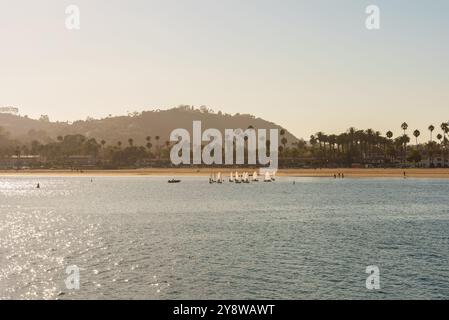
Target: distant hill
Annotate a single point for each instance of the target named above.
(137, 126)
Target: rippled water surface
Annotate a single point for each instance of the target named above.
(141, 238)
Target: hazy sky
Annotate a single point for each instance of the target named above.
(307, 65)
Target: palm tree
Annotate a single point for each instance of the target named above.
(319, 136)
(389, 135)
(119, 144)
(149, 145)
(369, 141)
(283, 139)
(416, 133)
(431, 128)
(158, 148)
(439, 137)
(351, 133)
(284, 142)
(312, 140)
(131, 142)
(404, 127)
(445, 128)
(167, 146)
(103, 143)
(431, 148)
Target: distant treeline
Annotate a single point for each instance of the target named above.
(363, 147)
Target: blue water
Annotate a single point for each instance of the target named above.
(141, 238)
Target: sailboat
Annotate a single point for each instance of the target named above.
(212, 178)
(267, 177)
(244, 177)
(231, 178)
(273, 177)
(219, 180)
(255, 177)
(238, 178)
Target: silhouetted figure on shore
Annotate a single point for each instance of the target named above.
(38, 186)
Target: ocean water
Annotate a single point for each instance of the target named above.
(142, 238)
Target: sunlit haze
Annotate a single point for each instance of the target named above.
(307, 65)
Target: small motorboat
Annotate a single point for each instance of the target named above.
(174, 181)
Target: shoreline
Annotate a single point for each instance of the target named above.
(203, 172)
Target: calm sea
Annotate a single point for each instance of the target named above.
(142, 238)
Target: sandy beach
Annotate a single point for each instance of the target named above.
(170, 172)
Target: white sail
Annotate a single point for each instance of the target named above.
(231, 178)
(255, 176)
(219, 176)
(267, 177)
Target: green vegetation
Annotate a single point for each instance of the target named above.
(351, 148)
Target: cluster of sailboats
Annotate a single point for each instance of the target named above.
(245, 177)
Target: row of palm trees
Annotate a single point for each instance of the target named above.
(351, 146)
(362, 145)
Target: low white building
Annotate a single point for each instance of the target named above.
(437, 161)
